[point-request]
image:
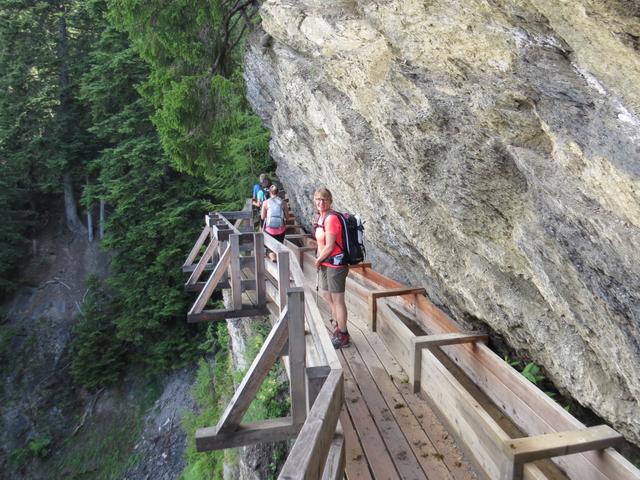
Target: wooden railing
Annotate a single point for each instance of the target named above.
(234, 255)
(452, 369)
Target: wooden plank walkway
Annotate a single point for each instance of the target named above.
(390, 432)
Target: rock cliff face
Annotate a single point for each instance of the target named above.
(493, 147)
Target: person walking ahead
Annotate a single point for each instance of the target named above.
(333, 275)
(274, 217)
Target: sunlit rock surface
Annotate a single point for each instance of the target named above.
(493, 148)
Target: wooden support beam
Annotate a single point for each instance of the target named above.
(196, 247)
(246, 283)
(258, 242)
(234, 267)
(240, 215)
(392, 292)
(254, 377)
(225, 314)
(295, 303)
(284, 280)
(274, 430)
(530, 449)
(213, 280)
(433, 341)
(203, 262)
(190, 268)
(309, 453)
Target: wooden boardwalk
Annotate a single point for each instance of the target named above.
(391, 433)
(369, 410)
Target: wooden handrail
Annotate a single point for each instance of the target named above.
(284, 283)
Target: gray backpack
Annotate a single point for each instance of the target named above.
(275, 213)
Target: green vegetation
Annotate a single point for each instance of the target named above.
(138, 106)
(215, 386)
(147, 118)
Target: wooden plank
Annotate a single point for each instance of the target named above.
(240, 215)
(421, 445)
(384, 416)
(283, 277)
(216, 276)
(295, 302)
(225, 314)
(273, 430)
(433, 341)
(396, 335)
(359, 265)
(309, 453)
(258, 241)
(196, 247)
(271, 268)
(254, 377)
(440, 446)
(530, 449)
(314, 318)
(334, 466)
(370, 439)
(274, 245)
(273, 295)
(472, 426)
(356, 467)
(234, 267)
(391, 292)
(529, 408)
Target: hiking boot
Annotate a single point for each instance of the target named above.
(334, 324)
(341, 339)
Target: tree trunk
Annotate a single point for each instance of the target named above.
(73, 221)
(101, 219)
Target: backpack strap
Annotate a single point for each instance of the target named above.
(342, 225)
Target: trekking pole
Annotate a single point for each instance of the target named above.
(317, 284)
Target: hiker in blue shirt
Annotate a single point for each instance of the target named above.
(260, 191)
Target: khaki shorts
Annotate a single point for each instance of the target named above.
(333, 280)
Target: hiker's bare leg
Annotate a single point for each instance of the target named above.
(339, 309)
(327, 298)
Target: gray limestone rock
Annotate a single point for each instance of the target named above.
(493, 149)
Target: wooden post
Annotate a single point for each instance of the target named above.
(246, 391)
(234, 267)
(283, 277)
(373, 297)
(258, 253)
(309, 453)
(196, 248)
(295, 303)
(433, 341)
(207, 290)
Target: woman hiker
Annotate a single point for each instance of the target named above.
(274, 217)
(333, 275)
